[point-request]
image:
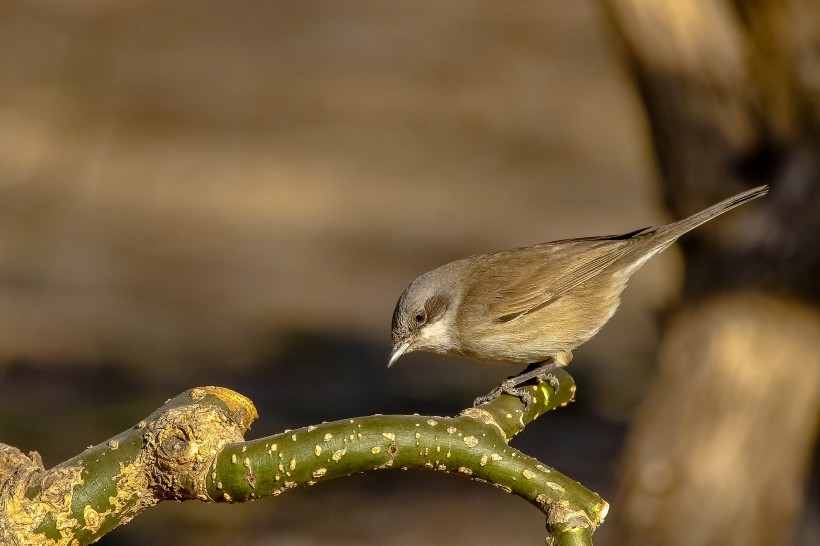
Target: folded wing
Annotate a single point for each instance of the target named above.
(519, 289)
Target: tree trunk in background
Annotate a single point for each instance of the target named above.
(721, 448)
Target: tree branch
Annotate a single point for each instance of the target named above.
(193, 448)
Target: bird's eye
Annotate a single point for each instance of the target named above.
(420, 318)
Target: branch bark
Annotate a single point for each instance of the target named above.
(193, 448)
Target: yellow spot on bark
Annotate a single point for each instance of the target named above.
(197, 394)
(328, 436)
(390, 436)
(93, 519)
(375, 450)
(483, 460)
(317, 450)
(319, 472)
(113, 444)
(451, 429)
(311, 428)
(528, 474)
(292, 464)
(471, 441)
(496, 457)
(227, 497)
(338, 454)
(465, 470)
(432, 422)
(233, 458)
(554, 486)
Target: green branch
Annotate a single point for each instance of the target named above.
(192, 448)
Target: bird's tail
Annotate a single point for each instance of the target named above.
(667, 234)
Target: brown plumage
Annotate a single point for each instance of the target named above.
(531, 304)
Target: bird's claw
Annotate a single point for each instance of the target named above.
(506, 387)
(551, 380)
(510, 386)
(489, 397)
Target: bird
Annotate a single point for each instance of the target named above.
(531, 305)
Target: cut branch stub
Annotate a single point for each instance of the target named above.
(106, 485)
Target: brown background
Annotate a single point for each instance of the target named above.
(235, 193)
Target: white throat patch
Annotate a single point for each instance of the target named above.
(436, 337)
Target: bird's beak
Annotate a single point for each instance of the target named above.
(397, 351)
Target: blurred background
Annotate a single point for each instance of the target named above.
(236, 193)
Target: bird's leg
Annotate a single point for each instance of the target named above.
(538, 370)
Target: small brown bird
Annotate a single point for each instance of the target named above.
(534, 304)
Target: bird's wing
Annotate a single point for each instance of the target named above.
(550, 270)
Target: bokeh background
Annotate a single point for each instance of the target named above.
(236, 193)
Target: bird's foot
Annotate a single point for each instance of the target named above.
(541, 371)
(506, 387)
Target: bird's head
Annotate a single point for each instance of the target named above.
(423, 319)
